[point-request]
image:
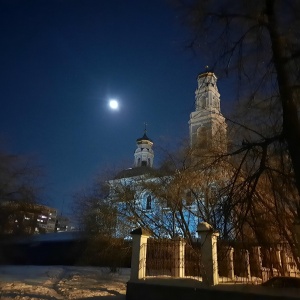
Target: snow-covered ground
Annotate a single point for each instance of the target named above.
(62, 282)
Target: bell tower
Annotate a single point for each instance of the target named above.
(143, 155)
(207, 126)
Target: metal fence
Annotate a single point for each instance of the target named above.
(193, 261)
(238, 264)
(164, 258)
(255, 264)
(160, 258)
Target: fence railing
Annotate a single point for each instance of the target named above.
(206, 262)
(173, 258)
(255, 264)
(160, 260)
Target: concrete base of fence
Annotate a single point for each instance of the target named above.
(182, 289)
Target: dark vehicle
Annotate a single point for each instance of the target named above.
(283, 282)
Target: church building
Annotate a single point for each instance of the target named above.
(207, 126)
(207, 131)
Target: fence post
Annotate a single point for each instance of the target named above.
(246, 259)
(257, 268)
(139, 251)
(209, 253)
(179, 247)
(279, 266)
(284, 262)
(296, 231)
(230, 264)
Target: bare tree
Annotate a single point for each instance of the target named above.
(173, 200)
(93, 212)
(19, 192)
(255, 44)
(258, 41)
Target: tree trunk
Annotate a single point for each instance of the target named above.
(291, 128)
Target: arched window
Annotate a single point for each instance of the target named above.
(148, 204)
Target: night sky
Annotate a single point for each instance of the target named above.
(60, 63)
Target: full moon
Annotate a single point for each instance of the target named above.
(113, 104)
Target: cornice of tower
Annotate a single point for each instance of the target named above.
(204, 113)
(142, 141)
(206, 74)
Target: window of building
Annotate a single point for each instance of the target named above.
(148, 204)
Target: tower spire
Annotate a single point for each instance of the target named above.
(143, 155)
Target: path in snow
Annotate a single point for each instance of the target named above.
(62, 282)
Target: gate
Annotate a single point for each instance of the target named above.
(167, 258)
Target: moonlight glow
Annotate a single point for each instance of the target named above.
(113, 104)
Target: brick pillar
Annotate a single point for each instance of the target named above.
(179, 253)
(209, 256)
(139, 252)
